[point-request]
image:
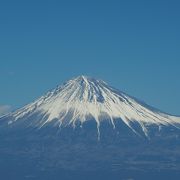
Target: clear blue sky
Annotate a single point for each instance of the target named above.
(133, 45)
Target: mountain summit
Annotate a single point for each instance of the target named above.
(83, 99)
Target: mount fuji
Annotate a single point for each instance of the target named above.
(86, 127)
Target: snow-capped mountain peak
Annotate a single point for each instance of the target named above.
(84, 98)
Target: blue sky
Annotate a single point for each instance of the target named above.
(133, 45)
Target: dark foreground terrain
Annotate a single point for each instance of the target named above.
(51, 154)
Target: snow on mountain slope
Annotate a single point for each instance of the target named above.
(84, 98)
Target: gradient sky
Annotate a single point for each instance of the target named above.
(133, 45)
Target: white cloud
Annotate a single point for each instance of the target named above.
(4, 109)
